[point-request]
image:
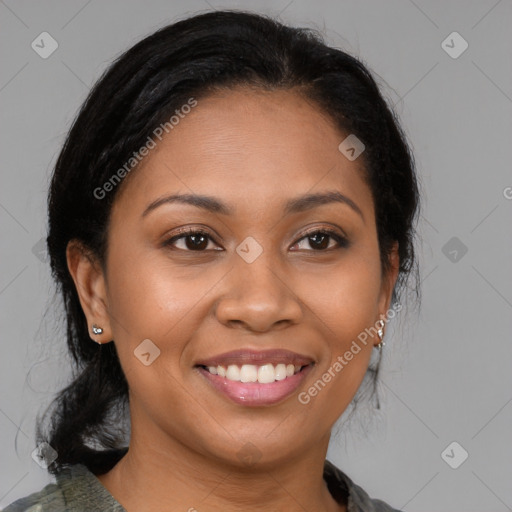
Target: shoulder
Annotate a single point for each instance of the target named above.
(356, 498)
(48, 498)
(76, 490)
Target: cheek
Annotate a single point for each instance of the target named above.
(345, 297)
(150, 299)
(344, 301)
(150, 302)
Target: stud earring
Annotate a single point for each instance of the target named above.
(380, 333)
(96, 330)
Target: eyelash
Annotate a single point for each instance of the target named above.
(341, 240)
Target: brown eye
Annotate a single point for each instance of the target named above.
(320, 240)
(191, 240)
(197, 242)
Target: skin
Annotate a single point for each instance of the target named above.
(254, 151)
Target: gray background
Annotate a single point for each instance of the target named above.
(447, 369)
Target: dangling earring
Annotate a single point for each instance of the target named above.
(380, 333)
(96, 331)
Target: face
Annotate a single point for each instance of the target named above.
(272, 279)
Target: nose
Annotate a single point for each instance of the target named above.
(258, 297)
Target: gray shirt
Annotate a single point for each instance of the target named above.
(78, 490)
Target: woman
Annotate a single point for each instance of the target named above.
(231, 220)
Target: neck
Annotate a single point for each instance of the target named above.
(149, 477)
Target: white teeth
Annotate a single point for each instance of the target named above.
(280, 371)
(248, 373)
(233, 372)
(264, 374)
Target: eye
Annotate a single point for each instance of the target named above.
(191, 239)
(198, 240)
(319, 240)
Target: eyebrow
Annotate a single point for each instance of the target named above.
(205, 202)
(296, 205)
(309, 201)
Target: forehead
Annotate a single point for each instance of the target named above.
(248, 144)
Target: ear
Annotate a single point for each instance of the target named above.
(388, 281)
(89, 281)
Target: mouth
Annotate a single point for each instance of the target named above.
(253, 378)
(264, 374)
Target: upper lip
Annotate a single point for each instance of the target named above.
(255, 357)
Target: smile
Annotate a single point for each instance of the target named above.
(264, 374)
(253, 378)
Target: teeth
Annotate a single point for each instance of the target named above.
(264, 374)
(248, 373)
(233, 372)
(280, 371)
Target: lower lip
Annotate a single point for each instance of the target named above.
(255, 394)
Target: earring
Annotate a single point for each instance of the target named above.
(96, 330)
(380, 333)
